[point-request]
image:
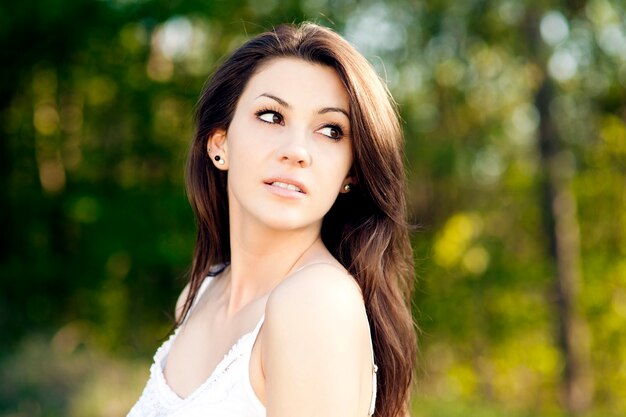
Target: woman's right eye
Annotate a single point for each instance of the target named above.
(269, 116)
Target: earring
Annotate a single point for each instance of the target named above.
(219, 160)
(208, 150)
(347, 187)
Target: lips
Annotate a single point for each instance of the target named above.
(287, 184)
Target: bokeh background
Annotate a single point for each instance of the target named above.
(515, 119)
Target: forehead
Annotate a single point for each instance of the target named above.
(297, 81)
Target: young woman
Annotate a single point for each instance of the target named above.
(298, 302)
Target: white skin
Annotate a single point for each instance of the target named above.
(312, 356)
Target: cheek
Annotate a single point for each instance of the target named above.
(341, 162)
(333, 174)
(241, 143)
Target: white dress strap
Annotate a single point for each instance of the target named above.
(258, 326)
(374, 374)
(201, 290)
(214, 271)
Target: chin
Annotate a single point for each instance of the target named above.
(285, 221)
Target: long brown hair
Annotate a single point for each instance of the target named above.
(365, 229)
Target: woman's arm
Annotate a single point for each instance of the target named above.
(316, 351)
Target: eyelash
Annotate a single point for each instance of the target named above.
(268, 110)
(339, 128)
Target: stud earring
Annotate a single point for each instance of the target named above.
(219, 160)
(347, 187)
(208, 150)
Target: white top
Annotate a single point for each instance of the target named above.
(226, 393)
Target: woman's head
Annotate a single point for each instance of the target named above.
(365, 229)
(375, 133)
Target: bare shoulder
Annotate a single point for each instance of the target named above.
(319, 291)
(316, 349)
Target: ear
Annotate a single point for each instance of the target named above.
(348, 184)
(217, 149)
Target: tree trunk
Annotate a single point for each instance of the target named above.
(561, 226)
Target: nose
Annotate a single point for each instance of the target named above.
(294, 150)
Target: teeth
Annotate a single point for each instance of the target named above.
(286, 186)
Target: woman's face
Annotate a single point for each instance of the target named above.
(288, 149)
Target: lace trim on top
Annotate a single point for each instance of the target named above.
(233, 354)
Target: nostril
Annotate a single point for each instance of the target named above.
(295, 155)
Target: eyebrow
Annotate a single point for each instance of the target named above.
(322, 111)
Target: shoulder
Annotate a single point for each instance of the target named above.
(184, 295)
(316, 349)
(180, 303)
(317, 292)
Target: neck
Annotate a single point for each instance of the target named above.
(262, 257)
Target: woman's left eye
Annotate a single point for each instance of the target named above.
(333, 132)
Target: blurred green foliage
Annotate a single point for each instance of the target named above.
(96, 104)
